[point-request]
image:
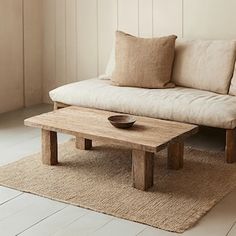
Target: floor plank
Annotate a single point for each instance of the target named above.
(56, 222)
(17, 204)
(119, 227)
(7, 194)
(17, 135)
(85, 225)
(232, 231)
(20, 150)
(25, 148)
(150, 231)
(25, 212)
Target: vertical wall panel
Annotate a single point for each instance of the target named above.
(167, 17)
(71, 41)
(211, 19)
(49, 47)
(107, 25)
(78, 34)
(145, 18)
(87, 39)
(128, 16)
(11, 55)
(60, 42)
(33, 51)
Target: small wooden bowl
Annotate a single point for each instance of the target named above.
(122, 121)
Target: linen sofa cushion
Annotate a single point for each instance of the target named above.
(178, 104)
(206, 65)
(232, 90)
(145, 63)
(110, 65)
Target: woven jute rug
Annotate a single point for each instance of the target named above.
(100, 180)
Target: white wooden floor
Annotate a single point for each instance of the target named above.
(26, 214)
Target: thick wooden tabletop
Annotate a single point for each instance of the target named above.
(147, 134)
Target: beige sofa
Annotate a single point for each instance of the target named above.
(205, 94)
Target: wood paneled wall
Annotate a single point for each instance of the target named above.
(79, 34)
(20, 53)
(11, 60)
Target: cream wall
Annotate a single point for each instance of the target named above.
(78, 34)
(33, 43)
(48, 43)
(20, 53)
(11, 60)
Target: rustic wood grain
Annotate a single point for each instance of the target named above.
(175, 155)
(83, 144)
(230, 150)
(142, 169)
(80, 143)
(148, 134)
(49, 147)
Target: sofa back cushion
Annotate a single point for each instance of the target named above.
(204, 64)
(232, 89)
(111, 64)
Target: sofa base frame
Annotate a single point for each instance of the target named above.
(230, 147)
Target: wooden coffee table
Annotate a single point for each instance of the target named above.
(145, 138)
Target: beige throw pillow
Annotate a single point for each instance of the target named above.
(145, 63)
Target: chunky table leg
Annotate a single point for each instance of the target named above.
(142, 169)
(83, 144)
(49, 147)
(175, 155)
(230, 149)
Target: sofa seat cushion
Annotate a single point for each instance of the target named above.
(177, 104)
(204, 64)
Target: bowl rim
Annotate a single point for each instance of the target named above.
(132, 119)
